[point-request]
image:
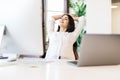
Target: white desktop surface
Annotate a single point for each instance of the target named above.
(36, 69)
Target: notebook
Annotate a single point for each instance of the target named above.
(99, 49)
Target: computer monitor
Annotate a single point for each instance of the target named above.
(23, 20)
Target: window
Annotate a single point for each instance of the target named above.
(52, 7)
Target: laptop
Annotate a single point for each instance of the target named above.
(99, 49)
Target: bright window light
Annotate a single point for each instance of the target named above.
(114, 6)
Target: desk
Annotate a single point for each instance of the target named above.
(36, 69)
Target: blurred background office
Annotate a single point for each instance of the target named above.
(26, 22)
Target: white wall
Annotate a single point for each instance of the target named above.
(116, 19)
(98, 16)
(24, 30)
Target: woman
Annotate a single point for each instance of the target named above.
(61, 42)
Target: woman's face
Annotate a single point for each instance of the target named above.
(64, 21)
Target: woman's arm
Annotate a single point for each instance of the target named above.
(75, 17)
(56, 17)
(79, 26)
(52, 22)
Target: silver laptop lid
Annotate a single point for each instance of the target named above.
(99, 49)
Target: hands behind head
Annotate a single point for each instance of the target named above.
(74, 16)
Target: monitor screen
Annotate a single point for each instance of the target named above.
(23, 20)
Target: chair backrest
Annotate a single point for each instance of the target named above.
(75, 52)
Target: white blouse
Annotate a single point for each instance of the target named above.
(61, 43)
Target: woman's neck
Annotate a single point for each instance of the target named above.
(62, 29)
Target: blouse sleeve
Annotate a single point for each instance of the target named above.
(51, 24)
(79, 27)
